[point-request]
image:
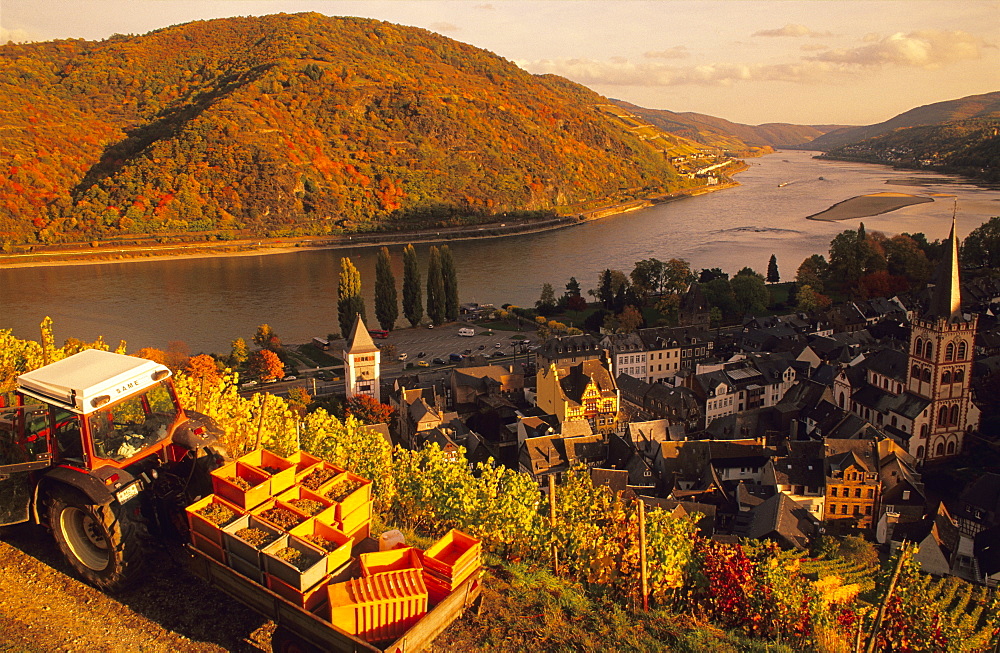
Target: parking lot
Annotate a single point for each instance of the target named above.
(440, 342)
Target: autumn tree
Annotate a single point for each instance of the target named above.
(299, 399)
(203, 366)
(450, 278)
(266, 338)
(413, 305)
(772, 270)
(435, 288)
(386, 304)
(368, 410)
(349, 300)
(629, 320)
(265, 365)
(904, 257)
(648, 277)
(812, 272)
(238, 352)
(808, 299)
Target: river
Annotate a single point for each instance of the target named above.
(207, 302)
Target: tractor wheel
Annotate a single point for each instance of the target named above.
(101, 542)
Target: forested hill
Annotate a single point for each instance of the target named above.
(732, 137)
(986, 105)
(300, 124)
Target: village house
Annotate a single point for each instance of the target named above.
(584, 391)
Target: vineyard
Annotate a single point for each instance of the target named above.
(747, 591)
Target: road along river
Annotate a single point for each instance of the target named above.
(207, 302)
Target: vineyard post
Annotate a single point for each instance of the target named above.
(260, 421)
(552, 523)
(885, 600)
(200, 402)
(643, 575)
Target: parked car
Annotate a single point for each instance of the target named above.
(455, 357)
(290, 377)
(325, 375)
(482, 347)
(422, 364)
(402, 356)
(438, 361)
(430, 326)
(498, 353)
(466, 352)
(421, 355)
(497, 346)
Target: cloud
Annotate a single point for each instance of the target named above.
(813, 47)
(792, 29)
(626, 73)
(676, 52)
(486, 7)
(444, 27)
(929, 49)
(15, 35)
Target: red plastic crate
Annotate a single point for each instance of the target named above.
(399, 559)
(353, 521)
(453, 554)
(204, 527)
(379, 607)
(351, 501)
(260, 484)
(276, 503)
(310, 599)
(302, 461)
(282, 479)
(208, 547)
(339, 556)
(296, 492)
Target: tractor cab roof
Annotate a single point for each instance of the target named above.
(90, 379)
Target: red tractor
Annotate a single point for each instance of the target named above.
(99, 451)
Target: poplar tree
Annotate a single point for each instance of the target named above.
(772, 270)
(435, 288)
(413, 305)
(386, 304)
(450, 278)
(349, 300)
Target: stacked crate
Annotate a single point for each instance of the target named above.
(285, 501)
(379, 607)
(450, 562)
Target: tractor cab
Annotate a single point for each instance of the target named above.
(105, 409)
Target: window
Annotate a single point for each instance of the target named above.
(857, 493)
(920, 450)
(918, 349)
(915, 372)
(926, 375)
(868, 510)
(906, 495)
(963, 351)
(949, 352)
(128, 427)
(871, 493)
(928, 350)
(833, 491)
(843, 509)
(942, 419)
(946, 377)
(857, 510)
(833, 509)
(959, 376)
(939, 451)
(951, 448)
(953, 417)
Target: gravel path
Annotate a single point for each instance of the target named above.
(44, 608)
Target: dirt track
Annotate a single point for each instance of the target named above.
(44, 608)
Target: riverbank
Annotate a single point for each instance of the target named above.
(864, 206)
(112, 253)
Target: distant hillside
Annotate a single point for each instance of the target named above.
(970, 147)
(729, 136)
(299, 124)
(974, 106)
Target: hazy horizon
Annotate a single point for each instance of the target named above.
(833, 62)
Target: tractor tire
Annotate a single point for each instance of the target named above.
(101, 542)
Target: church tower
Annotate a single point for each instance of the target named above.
(940, 365)
(361, 363)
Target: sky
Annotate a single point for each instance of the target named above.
(811, 62)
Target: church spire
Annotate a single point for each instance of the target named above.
(946, 300)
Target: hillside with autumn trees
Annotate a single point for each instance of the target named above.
(297, 125)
